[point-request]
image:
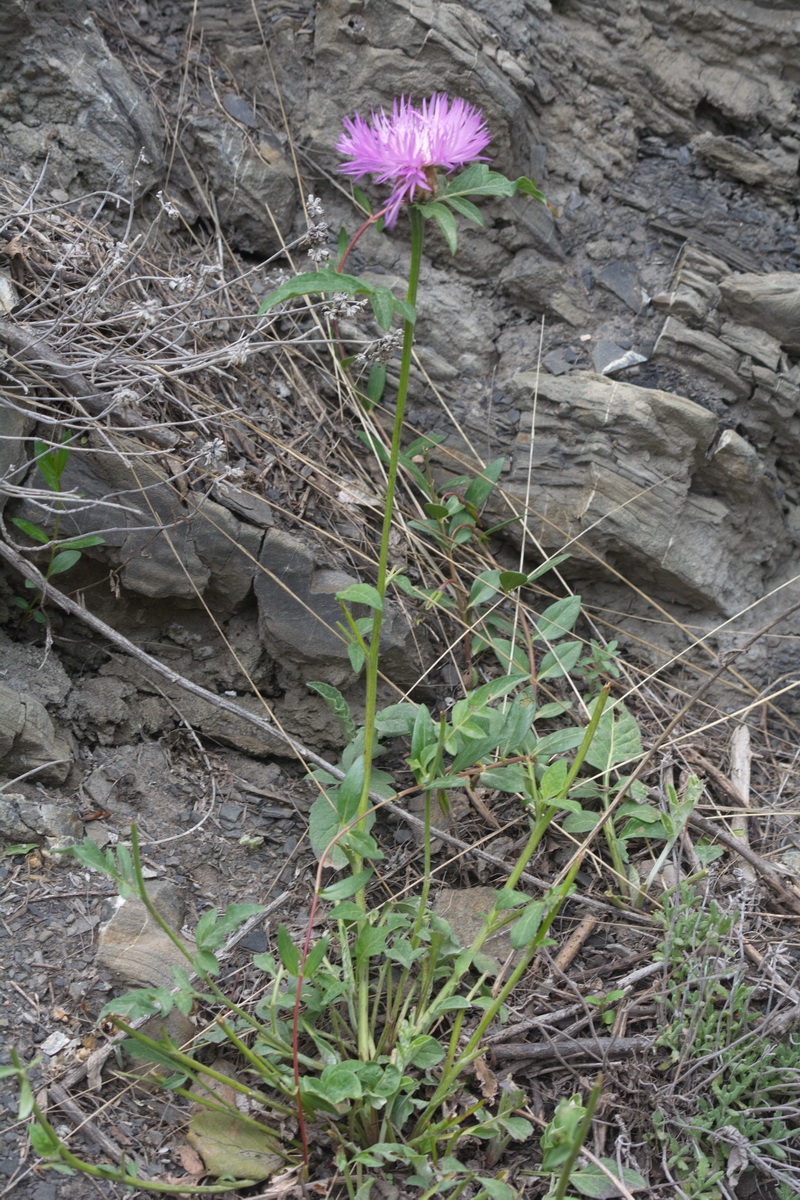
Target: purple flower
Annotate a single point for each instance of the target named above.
(405, 148)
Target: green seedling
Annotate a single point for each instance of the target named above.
(63, 555)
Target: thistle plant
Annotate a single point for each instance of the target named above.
(414, 149)
(369, 1031)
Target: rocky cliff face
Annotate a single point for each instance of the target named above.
(667, 136)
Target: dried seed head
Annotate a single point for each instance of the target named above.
(342, 305)
(382, 351)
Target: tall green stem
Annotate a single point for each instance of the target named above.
(366, 1047)
(417, 238)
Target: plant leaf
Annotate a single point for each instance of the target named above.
(361, 593)
(558, 619)
(33, 531)
(347, 887)
(63, 561)
(288, 952)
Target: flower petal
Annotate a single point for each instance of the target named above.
(402, 147)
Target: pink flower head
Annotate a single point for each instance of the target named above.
(405, 148)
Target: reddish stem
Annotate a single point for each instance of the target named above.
(370, 221)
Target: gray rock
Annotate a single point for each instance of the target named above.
(15, 426)
(541, 286)
(760, 346)
(134, 949)
(622, 281)
(252, 182)
(773, 166)
(638, 478)
(28, 740)
(24, 820)
(27, 668)
(162, 541)
(609, 358)
(770, 302)
(69, 106)
(707, 354)
(298, 614)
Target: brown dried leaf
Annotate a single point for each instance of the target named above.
(486, 1077)
(191, 1161)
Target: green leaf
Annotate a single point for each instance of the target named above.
(347, 887)
(482, 486)
(19, 848)
(396, 720)
(437, 511)
(288, 952)
(446, 222)
(548, 565)
(363, 844)
(51, 465)
(403, 952)
(349, 791)
(473, 753)
(81, 543)
(486, 587)
(556, 709)
(44, 1143)
(383, 306)
(89, 854)
(527, 187)
(370, 942)
(558, 619)
(496, 1189)
(558, 742)
(323, 825)
(525, 928)
(467, 209)
(516, 727)
(234, 916)
(559, 662)
(205, 961)
(517, 1127)
(511, 580)
(376, 383)
(425, 1052)
(423, 733)
(338, 706)
(63, 561)
(347, 911)
(361, 593)
(495, 688)
(478, 180)
(361, 198)
(616, 740)
(33, 531)
(591, 1181)
(553, 782)
(580, 822)
(315, 956)
(406, 311)
(448, 1004)
(505, 779)
(141, 1002)
(204, 933)
(340, 1082)
(325, 281)
(357, 657)
(25, 1098)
